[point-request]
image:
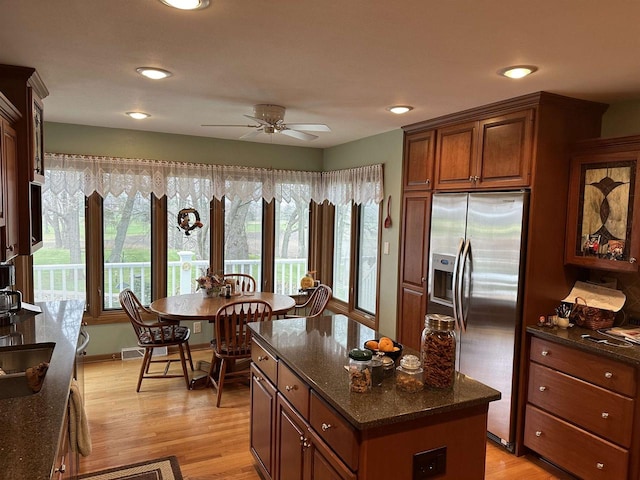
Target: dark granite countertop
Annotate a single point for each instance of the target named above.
(317, 348)
(31, 425)
(571, 337)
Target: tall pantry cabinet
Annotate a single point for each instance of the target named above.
(516, 144)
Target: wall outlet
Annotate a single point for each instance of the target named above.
(197, 327)
(429, 464)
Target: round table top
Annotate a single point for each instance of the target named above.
(195, 306)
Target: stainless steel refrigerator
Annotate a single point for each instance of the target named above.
(476, 259)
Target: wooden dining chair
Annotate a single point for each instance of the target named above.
(153, 332)
(233, 341)
(247, 282)
(315, 304)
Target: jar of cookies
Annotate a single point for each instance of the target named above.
(409, 376)
(438, 351)
(359, 370)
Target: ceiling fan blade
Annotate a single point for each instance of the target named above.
(252, 126)
(259, 120)
(255, 133)
(310, 127)
(298, 135)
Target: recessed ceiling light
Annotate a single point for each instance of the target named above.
(153, 73)
(517, 71)
(138, 115)
(400, 109)
(187, 4)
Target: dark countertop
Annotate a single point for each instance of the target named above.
(571, 337)
(317, 348)
(31, 425)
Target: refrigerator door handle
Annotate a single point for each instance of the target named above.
(462, 315)
(454, 280)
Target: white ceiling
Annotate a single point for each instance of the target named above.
(339, 62)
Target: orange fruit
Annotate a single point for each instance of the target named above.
(372, 344)
(385, 344)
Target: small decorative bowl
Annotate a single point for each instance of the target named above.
(396, 354)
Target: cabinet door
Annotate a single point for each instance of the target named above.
(263, 407)
(324, 464)
(505, 151)
(456, 152)
(10, 174)
(603, 218)
(414, 259)
(418, 160)
(292, 443)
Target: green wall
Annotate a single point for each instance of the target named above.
(621, 119)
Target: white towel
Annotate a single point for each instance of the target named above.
(79, 426)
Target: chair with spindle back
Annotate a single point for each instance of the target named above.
(247, 282)
(315, 304)
(233, 340)
(152, 332)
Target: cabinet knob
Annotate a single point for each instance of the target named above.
(471, 178)
(476, 178)
(423, 279)
(608, 375)
(542, 388)
(326, 426)
(544, 353)
(258, 379)
(599, 466)
(632, 259)
(290, 388)
(61, 469)
(427, 181)
(262, 358)
(605, 414)
(538, 433)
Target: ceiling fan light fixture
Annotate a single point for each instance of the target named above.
(517, 71)
(400, 109)
(187, 4)
(153, 73)
(138, 115)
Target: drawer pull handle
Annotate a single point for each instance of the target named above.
(258, 379)
(326, 426)
(538, 433)
(599, 466)
(544, 353)
(605, 415)
(542, 388)
(290, 388)
(262, 358)
(608, 375)
(61, 469)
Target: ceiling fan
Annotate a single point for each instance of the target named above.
(270, 119)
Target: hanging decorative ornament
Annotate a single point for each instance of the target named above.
(188, 219)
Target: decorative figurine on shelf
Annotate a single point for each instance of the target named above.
(185, 221)
(308, 281)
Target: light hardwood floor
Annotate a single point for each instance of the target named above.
(210, 443)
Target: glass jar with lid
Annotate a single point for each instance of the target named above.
(359, 370)
(409, 375)
(438, 351)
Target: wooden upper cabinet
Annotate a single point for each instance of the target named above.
(490, 153)
(603, 218)
(418, 161)
(9, 188)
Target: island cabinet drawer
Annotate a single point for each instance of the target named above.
(598, 410)
(266, 362)
(335, 431)
(593, 368)
(583, 454)
(294, 389)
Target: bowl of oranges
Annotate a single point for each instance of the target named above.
(385, 346)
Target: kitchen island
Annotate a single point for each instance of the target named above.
(307, 424)
(34, 427)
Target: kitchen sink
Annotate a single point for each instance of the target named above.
(14, 362)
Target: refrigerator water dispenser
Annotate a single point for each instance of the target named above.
(441, 290)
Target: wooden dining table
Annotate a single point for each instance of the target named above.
(195, 306)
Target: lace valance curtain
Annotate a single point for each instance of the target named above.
(104, 175)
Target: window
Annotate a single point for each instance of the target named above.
(126, 247)
(341, 252)
(367, 247)
(291, 245)
(243, 237)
